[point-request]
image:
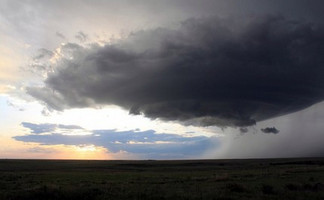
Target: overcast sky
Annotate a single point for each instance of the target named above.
(163, 79)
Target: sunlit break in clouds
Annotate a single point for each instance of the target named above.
(162, 80)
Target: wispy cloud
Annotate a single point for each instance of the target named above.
(82, 37)
(60, 35)
(47, 128)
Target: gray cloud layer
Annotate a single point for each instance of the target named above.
(224, 72)
(45, 128)
(148, 143)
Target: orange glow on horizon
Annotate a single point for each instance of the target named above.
(20, 150)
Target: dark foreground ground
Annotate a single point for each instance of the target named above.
(194, 179)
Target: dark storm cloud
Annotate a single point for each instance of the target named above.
(270, 130)
(141, 142)
(225, 72)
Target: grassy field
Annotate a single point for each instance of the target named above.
(190, 179)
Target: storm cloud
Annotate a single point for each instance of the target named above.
(270, 130)
(209, 71)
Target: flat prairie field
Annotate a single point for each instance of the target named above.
(297, 178)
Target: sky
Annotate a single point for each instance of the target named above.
(167, 79)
